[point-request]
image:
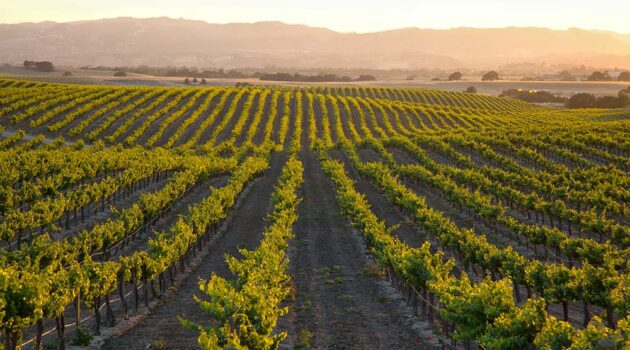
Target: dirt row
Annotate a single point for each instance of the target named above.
(71, 223)
(155, 125)
(113, 127)
(480, 160)
(140, 242)
(341, 301)
(172, 127)
(466, 220)
(244, 230)
(225, 133)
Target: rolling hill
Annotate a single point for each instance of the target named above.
(166, 41)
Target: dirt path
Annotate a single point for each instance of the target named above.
(408, 231)
(339, 303)
(244, 230)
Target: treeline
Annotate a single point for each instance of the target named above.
(604, 76)
(194, 73)
(177, 72)
(586, 100)
(42, 66)
(581, 100)
(256, 72)
(534, 96)
(457, 76)
(237, 74)
(314, 78)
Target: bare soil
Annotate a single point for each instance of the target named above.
(339, 302)
(244, 231)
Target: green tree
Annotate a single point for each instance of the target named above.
(490, 76)
(599, 76)
(582, 100)
(455, 76)
(565, 75)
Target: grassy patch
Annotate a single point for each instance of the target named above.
(159, 343)
(337, 280)
(346, 297)
(383, 299)
(372, 270)
(304, 339)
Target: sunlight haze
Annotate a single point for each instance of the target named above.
(329, 174)
(346, 16)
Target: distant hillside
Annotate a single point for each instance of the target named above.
(165, 41)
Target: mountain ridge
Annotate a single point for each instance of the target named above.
(164, 41)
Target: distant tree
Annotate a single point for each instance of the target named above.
(612, 101)
(533, 96)
(471, 90)
(490, 76)
(366, 77)
(411, 77)
(44, 66)
(436, 79)
(565, 75)
(203, 81)
(455, 76)
(120, 73)
(187, 81)
(582, 100)
(624, 76)
(599, 76)
(311, 78)
(194, 80)
(67, 74)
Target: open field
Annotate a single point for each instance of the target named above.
(356, 218)
(493, 88)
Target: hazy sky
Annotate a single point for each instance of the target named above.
(348, 15)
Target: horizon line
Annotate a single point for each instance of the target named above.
(314, 26)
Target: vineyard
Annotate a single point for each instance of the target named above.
(309, 217)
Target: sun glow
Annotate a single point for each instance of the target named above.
(346, 16)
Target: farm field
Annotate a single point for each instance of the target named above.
(492, 88)
(310, 217)
(495, 88)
